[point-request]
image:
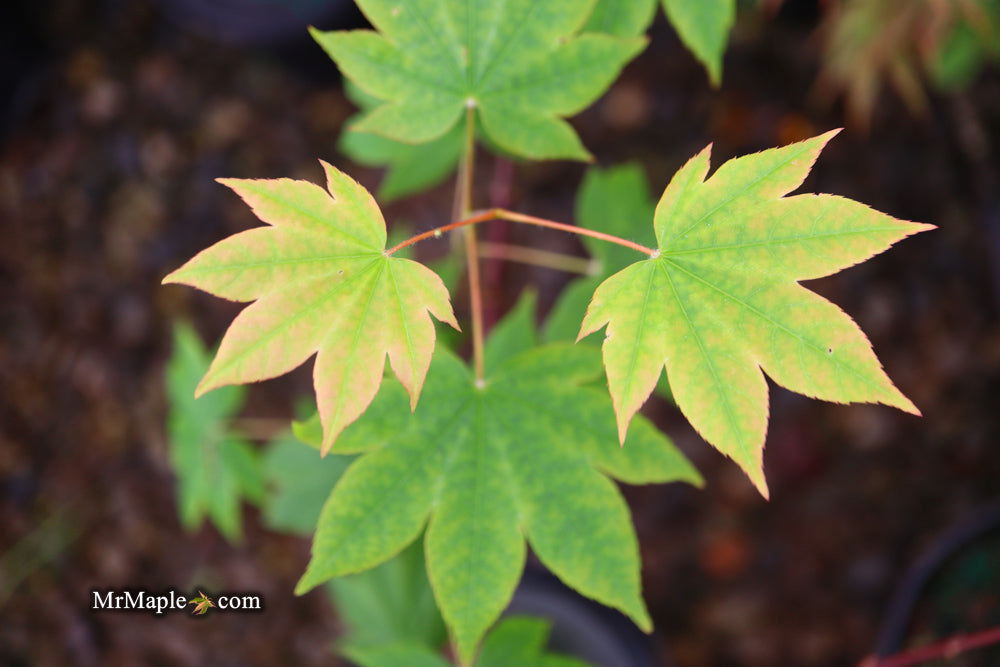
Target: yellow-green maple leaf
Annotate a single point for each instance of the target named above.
(721, 301)
(321, 283)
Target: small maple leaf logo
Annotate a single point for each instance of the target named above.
(202, 603)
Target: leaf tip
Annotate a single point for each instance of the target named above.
(466, 653)
(705, 153)
(906, 405)
(450, 320)
(640, 616)
(329, 437)
(315, 32)
(305, 584)
(714, 76)
(622, 430)
(203, 387)
(760, 483)
(830, 134)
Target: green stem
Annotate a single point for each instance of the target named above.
(536, 257)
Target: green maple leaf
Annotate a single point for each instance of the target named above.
(516, 640)
(299, 483)
(389, 604)
(702, 25)
(409, 168)
(523, 455)
(521, 640)
(721, 301)
(622, 18)
(518, 63)
(321, 283)
(216, 468)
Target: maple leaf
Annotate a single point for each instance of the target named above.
(215, 466)
(615, 201)
(516, 640)
(321, 283)
(622, 18)
(518, 63)
(703, 26)
(390, 604)
(298, 482)
(721, 301)
(409, 168)
(521, 640)
(523, 455)
(202, 603)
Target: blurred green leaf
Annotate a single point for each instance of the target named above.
(514, 334)
(621, 18)
(516, 641)
(215, 467)
(395, 655)
(521, 640)
(391, 604)
(702, 25)
(410, 168)
(300, 481)
(972, 41)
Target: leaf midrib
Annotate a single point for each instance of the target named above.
(727, 405)
(349, 363)
(481, 83)
(626, 390)
(267, 337)
(808, 343)
(778, 241)
(327, 225)
(278, 262)
(476, 530)
(411, 351)
(527, 85)
(738, 193)
(443, 426)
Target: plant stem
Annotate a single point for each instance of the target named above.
(536, 257)
(947, 649)
(259, 428)
(464, 197)
(504, 214)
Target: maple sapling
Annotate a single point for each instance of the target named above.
(521, 448)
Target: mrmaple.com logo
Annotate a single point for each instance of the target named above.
(159, 603)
